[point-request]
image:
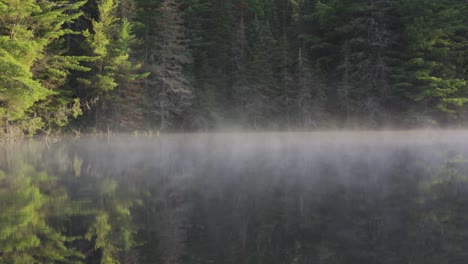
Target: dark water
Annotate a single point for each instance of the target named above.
(258, 198)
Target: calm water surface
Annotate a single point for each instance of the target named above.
(254, 198)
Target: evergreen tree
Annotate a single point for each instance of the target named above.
(34, 65)
(311, 96)
(110, 43)
(353, 46)
(209, 28)
(127, 98)
(429, 70)
(256, 91)
(168, 87)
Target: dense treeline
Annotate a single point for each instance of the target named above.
(90, 203)
(131, 65)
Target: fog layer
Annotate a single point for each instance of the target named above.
(323, 197)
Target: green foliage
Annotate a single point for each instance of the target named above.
(396, 206)
(99, 42)
(115, 75)
(442, 228)
(176, 64)
(112, 231)
(32, 61)
(26, 235)
(430, 70)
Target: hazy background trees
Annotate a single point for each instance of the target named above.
(257, 64)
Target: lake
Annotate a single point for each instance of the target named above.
(256, 198)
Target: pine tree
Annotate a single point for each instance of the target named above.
(255, 89)
(127, 97)
(352, 41)
(347, 95)
(311, 94)
(99, 42)
(209, 28)
(429, 72)
(33, 63)
(168, 87)
(114, 79)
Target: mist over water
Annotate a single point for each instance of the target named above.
(320, 197)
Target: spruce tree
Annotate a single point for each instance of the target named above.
(311, 93)
(209, 29)
(429, 72)
(113, 81)
(352, 45)
(34, 65)
(168, 87)
(126, 100)
(256, 90)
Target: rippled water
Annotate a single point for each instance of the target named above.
(323, 197)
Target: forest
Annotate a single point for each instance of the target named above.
(201, 65)
(233, 199)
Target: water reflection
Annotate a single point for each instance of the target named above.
(237, 198)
